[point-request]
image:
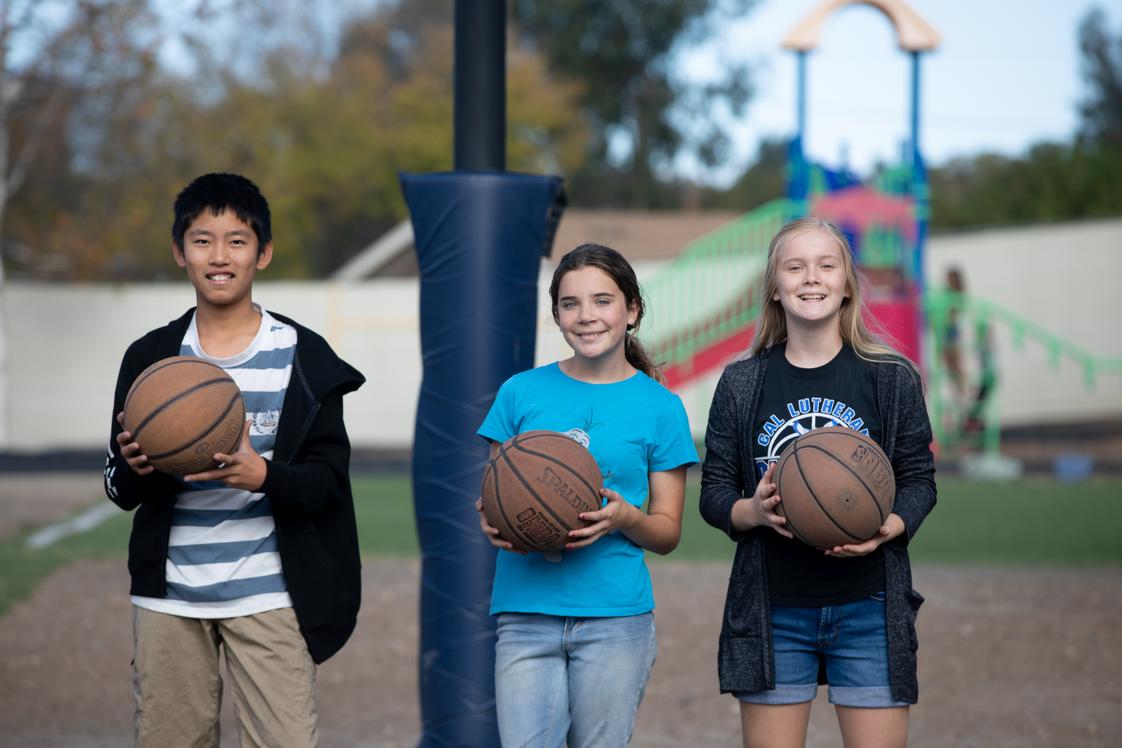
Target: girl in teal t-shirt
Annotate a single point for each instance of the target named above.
(576, 637)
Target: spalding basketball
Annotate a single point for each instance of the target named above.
(836, 487)
(535, 487)
(181, 410)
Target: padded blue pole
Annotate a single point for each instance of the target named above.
(480, 238)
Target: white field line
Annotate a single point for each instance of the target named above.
(83, 522)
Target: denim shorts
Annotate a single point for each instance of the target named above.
(849, 641)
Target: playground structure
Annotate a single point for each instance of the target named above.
(706, 302)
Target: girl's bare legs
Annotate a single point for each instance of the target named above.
(785, 726)
(774, 725)
(873, 728)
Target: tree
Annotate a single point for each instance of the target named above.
(322, 121)
(764, 180)
(623, 52)
(1101, 110)
(1051, 182)
(52, 56)
(63, 65)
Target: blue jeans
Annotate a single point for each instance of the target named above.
(850, 641)
(579, 680)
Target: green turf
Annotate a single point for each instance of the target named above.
(384, 511)
(1028, 522)
(21, 568)
(1025, 523)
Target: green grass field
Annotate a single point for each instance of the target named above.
(1026, 523)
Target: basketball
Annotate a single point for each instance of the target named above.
(535, 487)
(836, 487)
(181, 410)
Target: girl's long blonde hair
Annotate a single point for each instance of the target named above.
(771, 328)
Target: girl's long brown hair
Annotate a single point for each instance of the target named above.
(772, 325)
(619, 270)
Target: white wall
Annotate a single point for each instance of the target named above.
(65, 341)
(1066, 278)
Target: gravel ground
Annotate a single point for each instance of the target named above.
(1008, 657)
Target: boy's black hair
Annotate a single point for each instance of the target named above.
(219, 192)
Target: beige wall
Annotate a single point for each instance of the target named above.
(1066, 278)
(65, 341)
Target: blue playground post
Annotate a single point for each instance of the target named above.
(480, 238)
(480, 233)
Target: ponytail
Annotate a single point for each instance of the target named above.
(637, 356)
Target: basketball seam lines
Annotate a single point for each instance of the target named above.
(160, 367)
(790, 524)
(518, 474)
(498, 501)
(204, 432)
(164, 405)
(856, 475)
(553, 459)
(814, 494)
(490, 469)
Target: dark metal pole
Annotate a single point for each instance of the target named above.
(479, 139)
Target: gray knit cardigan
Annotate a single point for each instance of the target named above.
(745, 658)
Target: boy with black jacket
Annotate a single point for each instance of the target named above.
(257, 558)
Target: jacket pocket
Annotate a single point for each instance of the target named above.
(915, 600)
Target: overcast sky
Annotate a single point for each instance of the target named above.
(1006, 75)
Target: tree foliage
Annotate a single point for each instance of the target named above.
(1101, 109)
(763, 180)
(1051, 181)
(323, 128)
(623, 52)
(65, 68)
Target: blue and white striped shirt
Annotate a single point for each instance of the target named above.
(222, 554)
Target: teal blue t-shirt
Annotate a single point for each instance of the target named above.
(632, 428)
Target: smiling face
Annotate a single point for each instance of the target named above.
(594, 315)
(811, 279)
(221, 255)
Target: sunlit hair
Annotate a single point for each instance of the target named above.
(620, 271)
(771, 328)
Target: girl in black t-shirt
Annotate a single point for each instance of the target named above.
(796, 616)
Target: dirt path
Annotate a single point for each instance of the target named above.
(1009, 657)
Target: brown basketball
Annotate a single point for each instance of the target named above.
(181, 410)
(836, 487)
(535, 487)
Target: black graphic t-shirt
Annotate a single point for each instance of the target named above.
(839, 394)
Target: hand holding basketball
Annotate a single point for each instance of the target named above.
(893, 527)
(130, 450)
(617, 514)
(492, 533)
(244, 469)
(759, 511)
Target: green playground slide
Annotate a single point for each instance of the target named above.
(708, 291)
(984, 319)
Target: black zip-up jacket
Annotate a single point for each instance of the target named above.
(307, 482)
(745, 660)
